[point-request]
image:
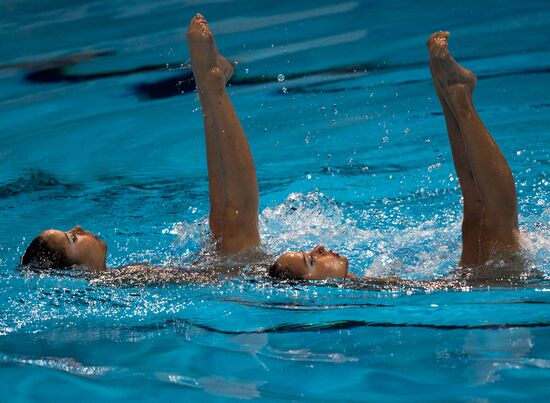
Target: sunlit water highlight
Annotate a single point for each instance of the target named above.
(351, 152)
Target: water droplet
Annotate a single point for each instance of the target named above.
(246, 71)
(385, 139)
(281, 78)
(284, 90)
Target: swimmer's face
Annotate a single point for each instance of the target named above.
(81, 247)
(317, 264)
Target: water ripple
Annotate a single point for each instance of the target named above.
(60, 364)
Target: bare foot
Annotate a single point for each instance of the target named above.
(209, 67)
(446, 72)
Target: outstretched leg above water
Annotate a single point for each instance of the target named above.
(471, 224)
(490, 227)
(231, 173)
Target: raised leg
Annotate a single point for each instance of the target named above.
(471, 224)
(215, 183)
(232, 175)
(490, 226)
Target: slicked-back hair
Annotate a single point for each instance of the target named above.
(42, 254)
(279, 271)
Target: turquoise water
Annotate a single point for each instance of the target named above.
(100, 127)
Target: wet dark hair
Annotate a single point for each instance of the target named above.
(279, 271)
(42, 254)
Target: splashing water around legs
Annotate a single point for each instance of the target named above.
(490, 225)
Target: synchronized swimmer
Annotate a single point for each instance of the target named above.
(490, 224)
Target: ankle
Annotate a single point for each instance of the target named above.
(459, 98)
(210, 79)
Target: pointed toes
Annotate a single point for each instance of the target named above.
(438, 37)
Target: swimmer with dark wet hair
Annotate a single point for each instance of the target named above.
(490, 224)
(233, 187)
(490, 231)
(58, 249)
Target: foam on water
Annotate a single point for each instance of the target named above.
(417, 250)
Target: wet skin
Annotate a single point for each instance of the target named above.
(233, 186)
(490, 225)
(81, 247)
(317, 264)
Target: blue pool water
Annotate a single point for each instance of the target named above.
(100, 127)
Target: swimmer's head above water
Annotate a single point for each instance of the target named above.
(317, 264)
(57, 249)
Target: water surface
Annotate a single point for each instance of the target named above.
(101, 128)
